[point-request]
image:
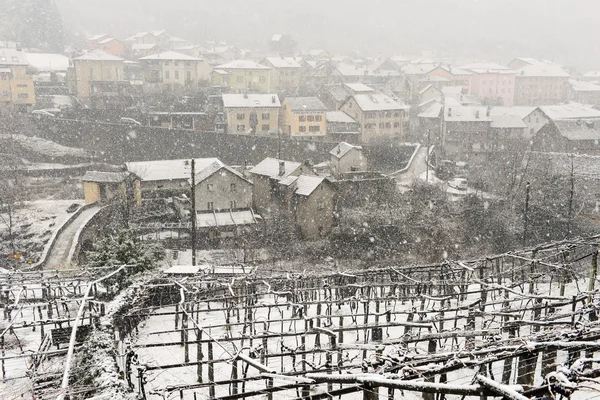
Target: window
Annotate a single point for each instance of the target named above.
(177, 75)
(4, 77)
(232, 187)
(262, 79)
(15, 59)
(166, 74)
(315, 128)
(396, 124)
(232, 204)
(23, 85)
(241, 128)
(318, 118)
(302, 118)
(387, 114)
(311, 118)
(266, 116)
(381, 125)
(302, 129)
(3, 59)
(265, 127)
(91, 74)
(483, 82)
(176, 62)
(239, 79)
(210, 205)
(23, 96)
(210, 187)
(241, 116)
(388, 124)
(188, 76)
(396, 114)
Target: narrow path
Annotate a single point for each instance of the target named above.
(416, 168)
(60, 252)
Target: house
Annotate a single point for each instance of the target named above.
(379, 116)
(333, 96)
(591, 76)
(283, 44)
(347, 158)
(286, 73)
(252, 113)
(570, 136)
(98, 80)
(107, 44)
(16, 84)
(106, 187)
(304, 117)
(170, 70)
(522, 62)
(533, 118)
(492, 83)
(144, 49)
(164, 178)
(319, 54)
(294, 187)
(428, 93)
(341, 126)
(242, 76)
(159, 38)
(457, 76)
(540, 84)
(571, 111)
(584, 92)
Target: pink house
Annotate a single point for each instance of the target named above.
(492, 81)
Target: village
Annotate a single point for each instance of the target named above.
(202, 219)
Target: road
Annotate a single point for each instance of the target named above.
(416, 168)
(59, 255)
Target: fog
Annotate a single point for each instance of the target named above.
(498, 30)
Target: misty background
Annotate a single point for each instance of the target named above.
(563, 31)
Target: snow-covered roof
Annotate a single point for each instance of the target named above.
(305, 104)
(519, 111)
(342, 149)
(452, 89)
(542, 70)
(340, 117)
(283, 62)
(276, 37)
(454, 71)
(378, 102)
(570, 111)
(507, 121)
(426, 88)
(567, 163)
(105, 177)
(582, 86)
(433, 111)
(97, 37)
(592, 74)
(165, 170)
(213, 168)
(107, 40)
(47, 61)
(250, 100)
(579, 129)
(225, 218)
(487, 68)
(185, 269)
(418, 69)
(466, 114)
(170, 55)
(338, 92)
(143, 46)
(12, 57)
(359, 87)
(305, 184)
(241, 64)
(270, 167)
(98, 55)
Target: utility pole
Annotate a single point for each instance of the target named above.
(427, 158)
(193, 199)
(527, 188)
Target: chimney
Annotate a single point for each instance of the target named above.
(449, 111)
(273, 99)
(477, 114)
(488, 111)
(281, 167)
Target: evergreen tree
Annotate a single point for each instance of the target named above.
(40, 25)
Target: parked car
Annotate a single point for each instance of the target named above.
(458, 183)
(43, 113)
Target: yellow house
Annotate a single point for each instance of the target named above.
(252, 113)
(173, 70)
(98, 77)
(304, 117)
(243, 76)
(109, 187)
(16, 85)
(286, 73)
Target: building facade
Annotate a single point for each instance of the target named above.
(286, 73)
(540, 84)
(243, 76)
(170, 70)
(252, 113)
(492, 83)
(16, 84)
(304, 117)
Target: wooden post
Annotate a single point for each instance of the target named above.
(593, 273)
(176, 316)
(370, 392)
(211, 371)
(199, 354)
(184, 335)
